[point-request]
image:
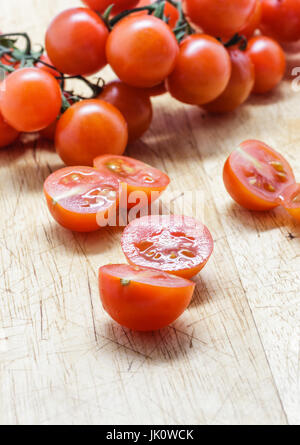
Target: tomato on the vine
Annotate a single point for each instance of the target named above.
(30, 99)
(239, 87)
(269, 63)
(119, 5)
(133, 103)
(142, 50)
(202, 70)
(281, 19)
(141, 298)
(135, 175)
(176, 244)
(253, 22)
(255, 175)
(43, 67)
(220, 18)
(88, 129)
(75, 41)
(170, 11)
(8, 134)
(78, 196)
(290, 199)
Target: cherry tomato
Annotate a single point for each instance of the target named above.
(291, 200)
(135, 175)
(89, 129)
(147, 52)
(255, 175)
(141, 298)
(269, 63)
(220, 18)
(134, 105)
(42, 66)
(253, 22)
(174, 244)
(202, 70)
(158, 90)
(75, 41)
(8, 134)
(78, 196)
(239, 87)
(281, 19)
(30, 99)
(119, 5)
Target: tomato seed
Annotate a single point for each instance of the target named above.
(269, 187)
(278, 166)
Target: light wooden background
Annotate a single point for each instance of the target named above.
(232, 358)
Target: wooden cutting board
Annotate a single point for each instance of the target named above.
(232, 358)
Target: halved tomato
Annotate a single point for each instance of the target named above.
(255, 175)
(143, 299)
(79, 198)
(290, 198)
(179, 245)
(134, 175)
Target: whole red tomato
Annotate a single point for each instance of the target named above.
(142, 50)
(202, 70)
(281, 19)
(75, 41)
(119, 5)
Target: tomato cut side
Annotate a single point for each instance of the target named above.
(290, 198)
(255, 175)
(176, 244)
(135, 175)
(143, 299)
(78, 196)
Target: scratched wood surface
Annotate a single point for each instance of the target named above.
(232, 358)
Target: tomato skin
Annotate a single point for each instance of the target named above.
(178, 245)
(290, 200)
(119, 5)
(220, 18)
(148, 51)
(134, 105)
(88, 129)
(41, 66)
(143, 304)
(269, 63)
(158, 90)
(8, 134)
(235, 178)
(239, 87)
(30, 99)
(281, 19)
(65, 202)
(75, 42)
(253, 22)
(130, 173)
(202, 70)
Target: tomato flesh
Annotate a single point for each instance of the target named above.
(290, 198)
(255, 175)
(175, 244)
(135, 175)
(141, 298)
(78, 196)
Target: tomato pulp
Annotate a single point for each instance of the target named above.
(290, 199)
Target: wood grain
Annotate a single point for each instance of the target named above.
(232, 358)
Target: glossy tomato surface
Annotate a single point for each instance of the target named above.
(88, 129)
(78, 197)
(255, 175)
(202, 70)
(133, 103)
(253, 21)
(135, 175)
(290, 199)
(240, 84)
(119, 5)
(75, 41)
(8, 134)
(269, 63)
(281, 19)
(30, 99)
(143, 299)
(220, 18)
(175, 244)
(142, 50)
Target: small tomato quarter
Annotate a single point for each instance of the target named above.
(143, 299)
(290, 200)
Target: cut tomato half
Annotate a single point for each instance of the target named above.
(143, 299)
(290, 199)
(135, 176)
(176, 244)
(255, 175)
(78, 197)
